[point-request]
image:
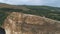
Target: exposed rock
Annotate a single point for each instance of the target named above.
(20, 23)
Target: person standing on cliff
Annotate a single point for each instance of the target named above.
(2, 31)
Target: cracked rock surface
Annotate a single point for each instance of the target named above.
(20, 23)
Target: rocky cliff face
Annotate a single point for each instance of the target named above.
(19, 23)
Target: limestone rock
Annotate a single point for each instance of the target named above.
(20, 23)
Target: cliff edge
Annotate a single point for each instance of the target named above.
(20, 23)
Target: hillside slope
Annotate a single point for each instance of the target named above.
(46, 11)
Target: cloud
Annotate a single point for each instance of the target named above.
(24, 2)
(33, 2)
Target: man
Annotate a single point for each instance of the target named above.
(2, 31)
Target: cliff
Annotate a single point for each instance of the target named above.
(20, 23)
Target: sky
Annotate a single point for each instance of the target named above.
(33, 2)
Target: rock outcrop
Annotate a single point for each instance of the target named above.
(20, 23)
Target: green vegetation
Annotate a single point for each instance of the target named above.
(3, 15)
(47, 11)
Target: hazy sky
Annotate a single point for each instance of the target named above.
(33, 2)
